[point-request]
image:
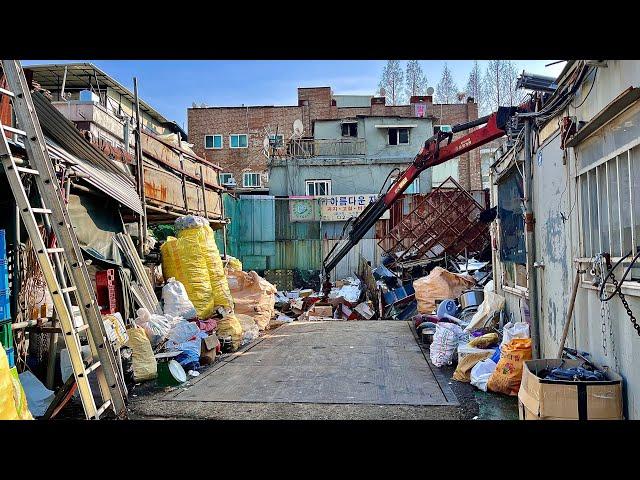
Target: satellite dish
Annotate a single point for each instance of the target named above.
(382, 92)
(265, 144)
(298, 127)
(430, 91)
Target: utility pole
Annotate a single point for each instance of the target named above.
(142, 219)
(529, 226)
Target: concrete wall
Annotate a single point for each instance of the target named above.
(377, 139)
(348, 176)
(558, 242)
(352, 100)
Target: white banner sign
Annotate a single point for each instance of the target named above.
(333, 208)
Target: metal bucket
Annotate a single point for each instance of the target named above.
(471, 298)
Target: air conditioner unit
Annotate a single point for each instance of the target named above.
(230, 183)
(89, 96)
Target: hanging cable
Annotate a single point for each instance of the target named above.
(589, 92)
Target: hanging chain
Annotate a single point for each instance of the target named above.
(603, 329)
(597, 273)
(632, 317)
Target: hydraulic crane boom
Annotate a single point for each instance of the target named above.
(432, 154)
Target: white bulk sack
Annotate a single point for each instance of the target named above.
(481, 372)
(176, 301)
(514, 330)
(444, 344)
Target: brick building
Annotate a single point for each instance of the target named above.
(233, 137)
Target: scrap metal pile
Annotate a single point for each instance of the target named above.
(446, 222)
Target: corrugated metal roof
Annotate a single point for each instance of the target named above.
(108, 182)
(81, 75)
(64, 142)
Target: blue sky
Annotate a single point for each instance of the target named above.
(171, 86)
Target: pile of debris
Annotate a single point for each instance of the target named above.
(346, 301)
(462, 322)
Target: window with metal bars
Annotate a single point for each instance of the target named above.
(609, 196)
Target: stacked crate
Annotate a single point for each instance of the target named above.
(106, 291)
(6, 333)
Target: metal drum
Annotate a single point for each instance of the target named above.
(471, 298)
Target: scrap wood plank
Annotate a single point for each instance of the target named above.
(145, 291)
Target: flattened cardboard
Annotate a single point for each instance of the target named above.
(568, 400)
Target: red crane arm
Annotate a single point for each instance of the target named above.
(433, 154)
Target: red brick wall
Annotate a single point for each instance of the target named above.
(249, 120)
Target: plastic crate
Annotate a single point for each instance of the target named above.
(10, 357)
(6, 335)
(5, 311)
(4, 269)
(3, 244)
(106, 291)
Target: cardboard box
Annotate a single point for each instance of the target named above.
(540, 399)
(208, 350)
(321, 311)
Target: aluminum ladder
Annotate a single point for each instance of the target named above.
(64, 268)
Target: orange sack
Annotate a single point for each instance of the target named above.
(508, 374)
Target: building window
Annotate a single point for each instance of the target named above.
(350, 129)
(317, 188)
(251, 180)
(212, 142)
(610, 205)
(486, 156)
(511, 218)
(398, 136)
(276, 141)
(238, 140)
(226, 179)
(412, 189)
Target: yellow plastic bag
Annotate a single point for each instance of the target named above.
(484, 341)
(145, 366)
(221, 294)
(185, 259)
(234, 263)
(508, 374)
(229, 326)
(20, 397)
(13, 402)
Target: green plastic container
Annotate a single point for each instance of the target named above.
(165, 377)
(6, 334)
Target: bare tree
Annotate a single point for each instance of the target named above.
(446, 90)
(475, 87)
(499, 84)
(391, 81)
(510, 80)
(416, 80)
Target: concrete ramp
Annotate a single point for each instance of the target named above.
(357, 362)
